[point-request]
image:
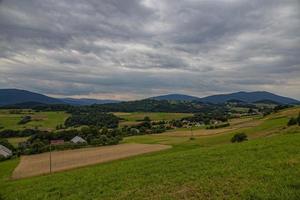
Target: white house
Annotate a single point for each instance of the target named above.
(78, 140)
(5, 152)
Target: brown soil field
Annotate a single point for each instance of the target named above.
(34, 165)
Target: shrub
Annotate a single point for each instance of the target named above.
(25, 120)
(292, 121)
(239, 137)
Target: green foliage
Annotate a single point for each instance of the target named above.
(292, 121)
(93, 119)
(218, 126)
(239, 137)
(25, 120)
(5, 143)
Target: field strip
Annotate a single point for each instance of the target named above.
(34, 165)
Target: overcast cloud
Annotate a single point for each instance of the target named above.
(127, 49)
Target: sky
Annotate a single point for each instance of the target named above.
(130, 49)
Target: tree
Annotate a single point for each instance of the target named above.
(5, 143)
(292, 121)
(239, 137)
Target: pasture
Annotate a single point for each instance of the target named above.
(136, 117)
(207, 167)
(40, 120)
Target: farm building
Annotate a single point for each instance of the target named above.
(78, 140)
(5, 152)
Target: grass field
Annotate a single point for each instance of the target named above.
(208, 167)
(136, 117)
(41, 120)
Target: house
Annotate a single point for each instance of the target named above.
(78, 140)
(5, 152)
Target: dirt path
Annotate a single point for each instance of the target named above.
(62, 160)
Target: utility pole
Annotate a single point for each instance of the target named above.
(192, 134)
(50, 159)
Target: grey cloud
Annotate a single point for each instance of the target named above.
(139, 48)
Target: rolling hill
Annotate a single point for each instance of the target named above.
(83, 102)
(176, 97)
(24, 98)
(249, 97)
(16, 96)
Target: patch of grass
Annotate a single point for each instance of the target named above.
(155, 116)
(16, 140)
(42, 120)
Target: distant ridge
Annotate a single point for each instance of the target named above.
(249, 97)
(16, 96)
(246, 97)
(176, 97)
(82, 102)
(23, 98)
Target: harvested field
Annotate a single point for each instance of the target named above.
(63, 160)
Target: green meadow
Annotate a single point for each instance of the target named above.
(135, 117)
(267, 166)
(41, 120)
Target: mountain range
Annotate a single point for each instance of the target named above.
(16, 96)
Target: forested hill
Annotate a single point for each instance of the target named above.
(151, 105)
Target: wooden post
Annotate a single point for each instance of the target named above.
(50, 159)
(192, 134)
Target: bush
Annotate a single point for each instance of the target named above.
(5, 143)
(292, 121)
(239, 137)
(25, 120)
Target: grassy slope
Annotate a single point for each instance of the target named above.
(45, 120)
(204, 168)
(134, 117)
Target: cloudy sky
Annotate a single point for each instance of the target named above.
(128, 49)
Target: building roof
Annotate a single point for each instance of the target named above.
(4, 151)
(78, 139)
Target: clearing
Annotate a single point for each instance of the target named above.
(40, 120)
(63, 160)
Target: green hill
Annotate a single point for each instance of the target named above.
(265, 167)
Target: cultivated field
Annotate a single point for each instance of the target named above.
(63, 160)
(41, 120)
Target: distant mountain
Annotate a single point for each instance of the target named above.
(15, 96)
(176, 97)
(249, 97)
(82, 102)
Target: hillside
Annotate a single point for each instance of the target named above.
(16, 96)
(176, 97)
(208, 167)
(23, 99)
(84, 101)
(249, 97)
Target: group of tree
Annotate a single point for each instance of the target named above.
(25, 119)
(146, 126)
(98, 119)
(8, 133)
(207, 117)
(40, 142)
